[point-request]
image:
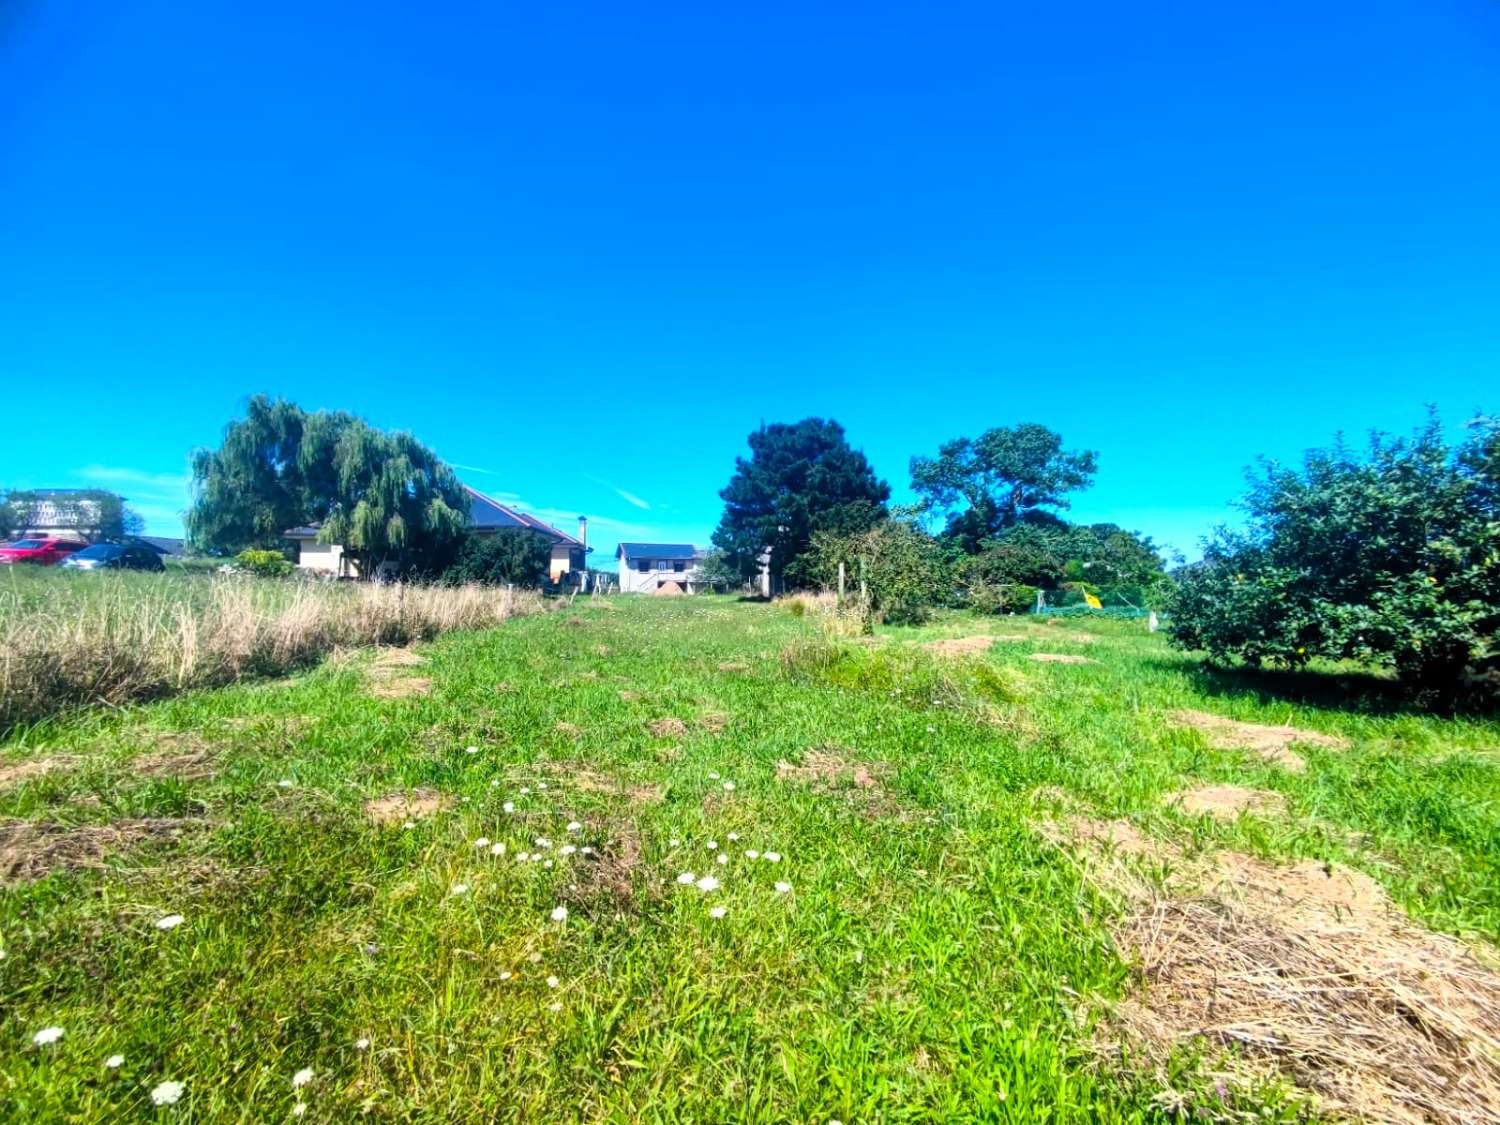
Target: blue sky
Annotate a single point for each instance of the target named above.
(583, 252)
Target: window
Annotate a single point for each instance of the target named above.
(679, 565)
(643, 565)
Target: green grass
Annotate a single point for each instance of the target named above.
(935, 959)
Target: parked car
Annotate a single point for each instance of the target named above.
(115, 556)
(42, 551)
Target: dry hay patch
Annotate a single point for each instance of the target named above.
(628, 696)
(572, 730)
(401, 687)
(667, 727)
(22, 772)
(831, 771)
(1271, 743)
(592, 781)
(397, 808)
(1061, 658)
(1306, 972)
(1225, 802)
(970, 646)
(30, 850)
(189, 765)
(733, 666)
(398, 658)
(714, 722)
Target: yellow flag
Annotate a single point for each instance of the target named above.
(1094, 603)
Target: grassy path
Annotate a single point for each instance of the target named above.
(918, 950)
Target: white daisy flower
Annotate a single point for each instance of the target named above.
(494, 783)
(586, 850)
(566, 849)
(170, 922)
(509, 806)
(751, 853)
(560, 914)
(361, 1044)
(167, 1093)
(299, 1109)
(713, 845)
(541, 785)
(674, 842)
(687, 878)
(115, 1062)
(482, 842)
(729, 787)
(708, 883)
(47, 1036)
(409, 825)
(284, 783)
(542, 842)
(723, 857)
(771, 857)
(302, 1078)
(734, 836)
(497, 849)
(552, 982)
(548, 863)
(783, 888)
(506, 975)
(472, 750)
(458, 889)
(574, 826)
(718, 912)
(713, 776)
(555, 1006)
(524, 790)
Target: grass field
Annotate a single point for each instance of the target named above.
(943, 935)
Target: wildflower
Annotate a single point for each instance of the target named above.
(534, 958)
(713, 845)
(717, 912)
(708, 883)
(47, 1036)
(723, 857)
(302, 1078)
(284, 783)
(494, 783)
(729, 787)
(497, 849)
(506, 975)
(547, 864)
(712, 776)
(751, 853)
(509, 806)
(771, 857)
(560, 914)
(361, 1044)
(459, 889)
(170, 922)
(674, 842)
(409, 825)
(114, 1062)
(555, 1006)
(482, 842)
(586, 850)
(574, 826)
(542, 842)
(687, 878)
(566, 849)
(783, 888)
(734, 836)
(472, 750)
(299, 1109)
(522, 857)
(166, 1093)
(541, 785)
(524, 790)
(552, 982)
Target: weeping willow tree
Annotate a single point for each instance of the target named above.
(383, 495)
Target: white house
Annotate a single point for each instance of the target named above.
(659, 568)
(568, 567)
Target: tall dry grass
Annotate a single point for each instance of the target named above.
(82, 642)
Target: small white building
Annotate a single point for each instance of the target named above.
(659, 568)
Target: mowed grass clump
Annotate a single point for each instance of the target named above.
(687, 860)
(68, 639)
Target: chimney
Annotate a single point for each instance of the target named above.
(583, 530)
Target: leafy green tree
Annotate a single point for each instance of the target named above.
(383, 495)
(904, 570)
(800, 478)
(511, 556)
(1006, 476)
(1392, 557)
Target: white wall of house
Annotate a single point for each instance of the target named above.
(634, 581)
(325, 558)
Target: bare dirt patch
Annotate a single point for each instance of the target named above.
(1104, 836)
(832, 770)
(606, 878)
(397, 808)
(714, 722)
(970, 646)
(401, 687)
(1306, 972)
(30, 850)
(667, 728)
(23, 772)
(1271, 743)
(1061, 658)
(1225, 802)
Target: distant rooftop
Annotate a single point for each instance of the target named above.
(659, 551)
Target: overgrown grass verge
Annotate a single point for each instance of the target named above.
(67, 640)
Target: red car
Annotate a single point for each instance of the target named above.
(45, 552)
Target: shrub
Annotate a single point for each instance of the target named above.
(508, 557)
(264, 564)
(903, 568)
(1391, 558)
